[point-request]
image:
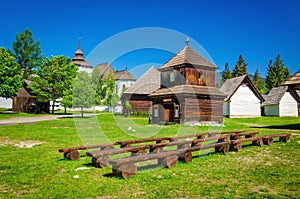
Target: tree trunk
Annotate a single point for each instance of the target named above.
(53, 104)
(65, 110)
(81, 111)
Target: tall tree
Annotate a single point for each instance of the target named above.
(226, 74)
(84, 91)
(240, 67)
(259, 82)
(27, 53)
(54, 77)
(277, 73)
(10, 81)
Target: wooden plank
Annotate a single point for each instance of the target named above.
(86, 147)
(142, 140)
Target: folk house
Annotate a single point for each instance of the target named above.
(124, 79)
(242, 98)
(281, 101)
(137, 94)
(187, 93)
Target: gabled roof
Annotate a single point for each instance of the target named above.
(190, 90)
(188, 56)
(146, 84)
(105, 69)
(275, 95)
(295, 79)
(124, 75)
(231, 85)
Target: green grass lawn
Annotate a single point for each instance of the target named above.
(41, 172)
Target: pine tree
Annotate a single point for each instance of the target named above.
(259, 82)
(240, 68)
(27, 53)
(226, 74)
(277, 73)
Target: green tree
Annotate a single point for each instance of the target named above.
(66, 101)
(277, 73)
(27, 53)
(109, 90)
(84, 91)
(259, 82)
(54, 77)
(226, 74)
(240, 68)
(10, 81)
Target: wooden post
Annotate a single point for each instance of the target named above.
(100, 162)
(72, 155)
(170, 161)
(258, 142)
(125, 170)
(268, 140)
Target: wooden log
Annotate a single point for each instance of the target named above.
(186, 157)
(246, 134)
(139, 152)
(127, 142)
(268, 140)
(126, 170)
(170, 161)
(258, 142)
(85, 147)
(285, 138)
(236, 147)
(117, 151)
(100, 162)
(72, 155)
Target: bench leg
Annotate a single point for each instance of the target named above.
(100, 162)
(236, 147)
(126, 170)
(258, 142)
(223, 149)
(268, 140)
(72, 155)
(170, 161)
(286, 138)
(156, 150)
(139, 152)
(186, 157)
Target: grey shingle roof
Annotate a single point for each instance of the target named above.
(295, 79)
(231, 85)
(146, 84)
(188, 56)
(275, 95)
(124, 75)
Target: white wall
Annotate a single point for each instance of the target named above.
(5, 103)
(271, 110)
(244, 103)
(119, 85)
(226, 109)
(288, 105)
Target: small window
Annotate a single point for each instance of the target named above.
(155, 110)
(172, 77)
(200, 75)
(176, 113)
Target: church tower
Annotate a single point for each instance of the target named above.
(80, 61)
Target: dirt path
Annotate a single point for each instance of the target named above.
(28, 120)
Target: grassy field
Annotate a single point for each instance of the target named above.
(41, 172)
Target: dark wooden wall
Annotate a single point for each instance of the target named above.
(140, 105)
(202, 110)
(188, 75)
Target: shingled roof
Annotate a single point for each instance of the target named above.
(188, 56)
(146, 84)
(124, 75)
(79, 60)
(189, 89)
(231, 85)
(105, 69)
(293, 80)
(275, 95)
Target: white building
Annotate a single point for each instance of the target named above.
(281, 102)
(124, 79)
(242, 100)
(6, 103)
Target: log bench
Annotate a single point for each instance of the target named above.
(101, 158)
(237, 136)
(127, 167)
(285, 137)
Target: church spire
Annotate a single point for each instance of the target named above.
(187, 41)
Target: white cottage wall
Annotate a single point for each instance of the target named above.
(288, 106)
(244, 103)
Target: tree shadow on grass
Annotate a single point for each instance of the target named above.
(284, 127)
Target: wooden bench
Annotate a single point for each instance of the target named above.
(127, 167)
(285, 137)
(100, 158)
(237, 136)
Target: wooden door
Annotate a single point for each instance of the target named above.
(167, 115)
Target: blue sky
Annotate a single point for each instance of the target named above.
(259, 30)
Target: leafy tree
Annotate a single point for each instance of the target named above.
(54, 77)
(66, 101)
(84, 91)
(226, 74)
(27, 53)
(10, 81)
(277, 73)
(105, 88)
(259, 82)
(240, 68)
